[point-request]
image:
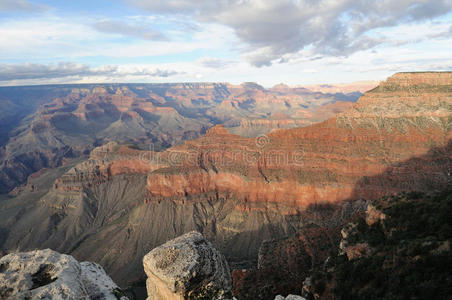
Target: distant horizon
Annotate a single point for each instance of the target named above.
(197, 82)
(298, 42)
(299, 85)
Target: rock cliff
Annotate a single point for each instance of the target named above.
(325, 161)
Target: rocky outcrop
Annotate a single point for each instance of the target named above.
(284, 263)
(348, 244)
(289, 297)
(349, 247)
(410, 242)
(187, 267)
(374, 215)
(46, 274)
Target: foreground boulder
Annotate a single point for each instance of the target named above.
(289, 297)
(46, 274)
(187, 267)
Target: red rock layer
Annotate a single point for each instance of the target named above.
(339, 159)
(327, 162)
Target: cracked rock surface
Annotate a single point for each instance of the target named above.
(187, 267)
(47, 274)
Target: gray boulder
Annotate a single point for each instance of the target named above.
(289, 297)
(46, 274)
(187, 267)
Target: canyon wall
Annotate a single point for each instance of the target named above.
(237, 191)
(41, 126)
(326, 162)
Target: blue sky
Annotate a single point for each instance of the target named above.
(265, 41)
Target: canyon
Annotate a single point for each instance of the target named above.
(237, 190)
(41, 126)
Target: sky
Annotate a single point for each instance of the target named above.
(296, 42)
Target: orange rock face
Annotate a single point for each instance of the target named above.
(327, 162)
(105, 161)
(392, 140)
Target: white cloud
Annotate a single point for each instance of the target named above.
(17, 5)
(272, 29)
(29, 72)
(68, 39)
(292, 41)
(214, 63)
(127, 29)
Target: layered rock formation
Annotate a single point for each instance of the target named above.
(40, 126)
(187, 267)
(250, 127)
(46, 274)
(237, 191)
(329, 161)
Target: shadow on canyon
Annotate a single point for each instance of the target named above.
(431, 172)
(285, 263)
(114, 225)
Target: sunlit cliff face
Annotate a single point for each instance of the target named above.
(405, 117)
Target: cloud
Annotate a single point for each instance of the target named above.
(156, 73)
(54, 38)
(16, 5)
(27, 71)
(214, 63)
(272, 29)
(131, 30)
(175, 6)
(442, 34)
(35, 71)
